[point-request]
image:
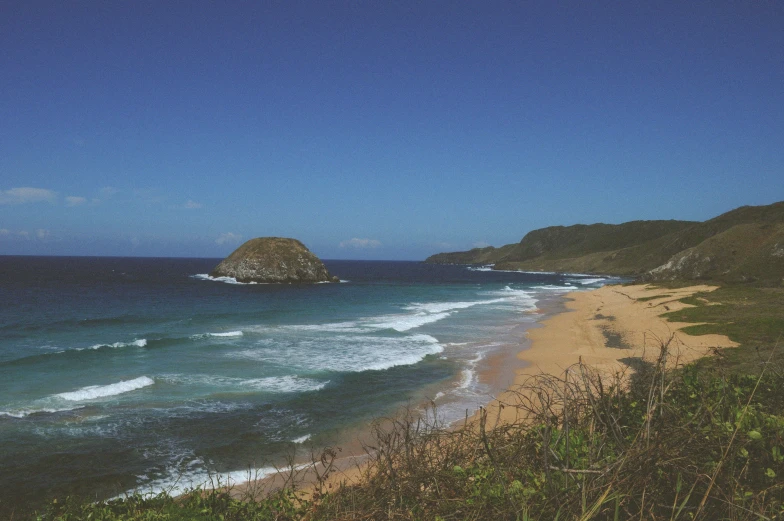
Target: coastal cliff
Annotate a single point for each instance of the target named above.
(742, 245)
(273, 260)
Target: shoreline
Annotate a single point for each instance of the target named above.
(600, 327)
(497, 372)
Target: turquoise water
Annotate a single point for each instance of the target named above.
(123, 373)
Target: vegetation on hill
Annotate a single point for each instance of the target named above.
(743, 245)
(273, 260)
(751, 252)
(548, 246)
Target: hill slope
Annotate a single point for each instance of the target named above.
(669, 250)
(743, 253)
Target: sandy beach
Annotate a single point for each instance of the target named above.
(601, 328)
(604, 327)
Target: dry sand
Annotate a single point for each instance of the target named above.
(605, 326)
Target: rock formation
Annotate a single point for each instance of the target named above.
(273, 260)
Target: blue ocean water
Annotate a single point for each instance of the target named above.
(135, 373)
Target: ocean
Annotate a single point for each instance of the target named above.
(123, 374)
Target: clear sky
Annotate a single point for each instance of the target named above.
(377, 130)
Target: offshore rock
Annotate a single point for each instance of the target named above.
(273, 260)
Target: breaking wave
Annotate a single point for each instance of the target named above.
(102, 391)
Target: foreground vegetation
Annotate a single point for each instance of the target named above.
(686, 444)
(704, 442)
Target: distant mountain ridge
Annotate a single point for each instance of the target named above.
(742, 245)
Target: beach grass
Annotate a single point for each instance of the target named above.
(751, 316)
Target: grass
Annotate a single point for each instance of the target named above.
(750, 316)
(646, 299)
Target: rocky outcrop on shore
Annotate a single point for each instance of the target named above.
(273, 260)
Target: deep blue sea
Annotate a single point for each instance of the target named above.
(119, 374)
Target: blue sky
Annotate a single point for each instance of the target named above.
(377, 130)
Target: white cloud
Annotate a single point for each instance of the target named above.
(149, 195)
(26, 194)
(104, 194)
(73, 200)
(481, 244)
(228, 238)
(192, 205)
(360, 243)
(16, 235)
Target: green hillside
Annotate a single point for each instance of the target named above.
(744, 253)
(669, 250)
(546, 246)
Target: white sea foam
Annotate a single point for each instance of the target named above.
(101, 391)
(338, 327)
(491, 267)
(468, 375)
(345, 353)
(301, 439)
(226, 334)
(521, 298)
(285, 384)
(466, 395)
(23, 413)
(273, 384)
(556, 288)
(441, 307)
(590, 281)
(488, 267)
(227, 280)
(399, 322)
(180, 479)
(404, 323)
(420, 314)
(141, 342)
